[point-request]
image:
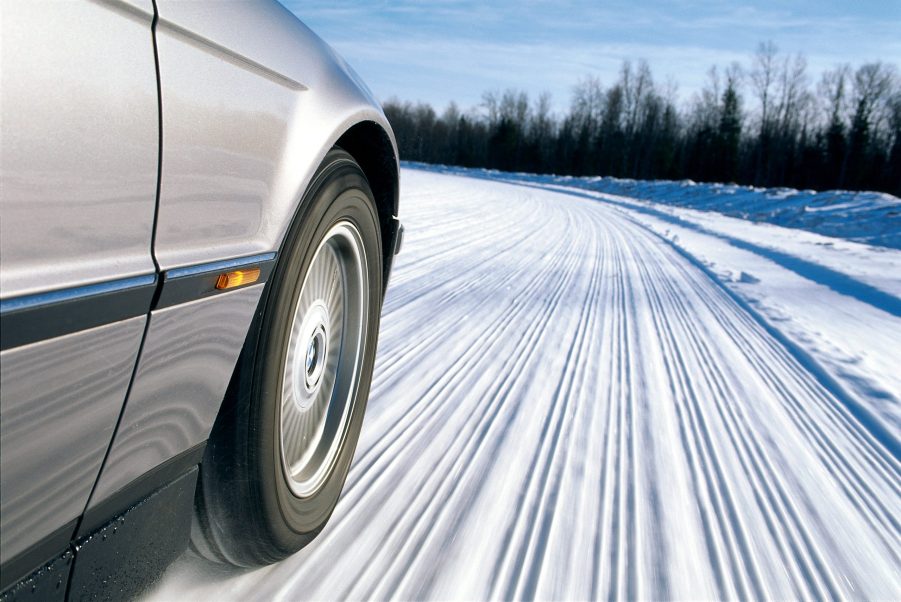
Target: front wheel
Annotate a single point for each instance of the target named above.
(282, 445)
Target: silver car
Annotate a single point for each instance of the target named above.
(197, 224)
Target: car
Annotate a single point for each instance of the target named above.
(198, 220)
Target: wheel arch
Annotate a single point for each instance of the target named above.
(372, 146)
(373, 149)
(224, 439)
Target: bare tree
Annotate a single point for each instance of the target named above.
(845, 131)
(791, 85)
(542, 122)
(873, 85)
(514, 106)
(491, 104)
(833, 92)
(893, 173)
(641, 87)
(763, 78)
(587, 107)
(706, 106)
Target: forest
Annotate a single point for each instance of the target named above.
(765, 123)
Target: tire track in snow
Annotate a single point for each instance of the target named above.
(499, 394)
(775, 495)
(712, 379)
(769, 478)
(546, 494)
(854, 482)
(565, 407)
(475, 444)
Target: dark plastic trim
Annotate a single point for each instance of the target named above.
(154, 511)
(128, 553)
(398, 236)
(191, 283)
(35, 557)
(150, 481)
(33, 318)
(48, 583)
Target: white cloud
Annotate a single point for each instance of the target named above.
(456, 49)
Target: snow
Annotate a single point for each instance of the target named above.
(581, 395)
(867, 217)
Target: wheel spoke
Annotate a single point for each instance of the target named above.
(323, 358)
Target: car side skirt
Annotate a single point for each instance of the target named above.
(105, 563)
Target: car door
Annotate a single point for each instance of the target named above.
(228, 187)
(79, 158)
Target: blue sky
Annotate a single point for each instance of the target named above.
(446, 50)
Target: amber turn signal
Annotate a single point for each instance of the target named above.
(238, 278)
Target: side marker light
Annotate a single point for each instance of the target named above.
(238, 278)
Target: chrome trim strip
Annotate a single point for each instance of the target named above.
(218, 266)
(31, 318)
(35, 318)
(70, 294)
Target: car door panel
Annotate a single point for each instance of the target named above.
(79, 150)
(79, 156)
(242, 134)
(185, 367)
(59, 410)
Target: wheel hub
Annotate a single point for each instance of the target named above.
(315, 364)
(311, 353)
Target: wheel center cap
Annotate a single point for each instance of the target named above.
(316, 355)
(312, 353)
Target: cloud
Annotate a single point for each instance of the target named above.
(456, 49)
(416, 68)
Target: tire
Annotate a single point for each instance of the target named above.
(282, 445)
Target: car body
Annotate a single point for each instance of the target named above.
(147, 149)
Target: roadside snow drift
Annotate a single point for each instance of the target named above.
(583, 396)
(868, 217)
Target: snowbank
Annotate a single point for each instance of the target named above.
(868, 217)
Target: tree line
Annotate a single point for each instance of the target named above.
(764, 124)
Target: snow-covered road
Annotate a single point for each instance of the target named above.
(579, 398)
